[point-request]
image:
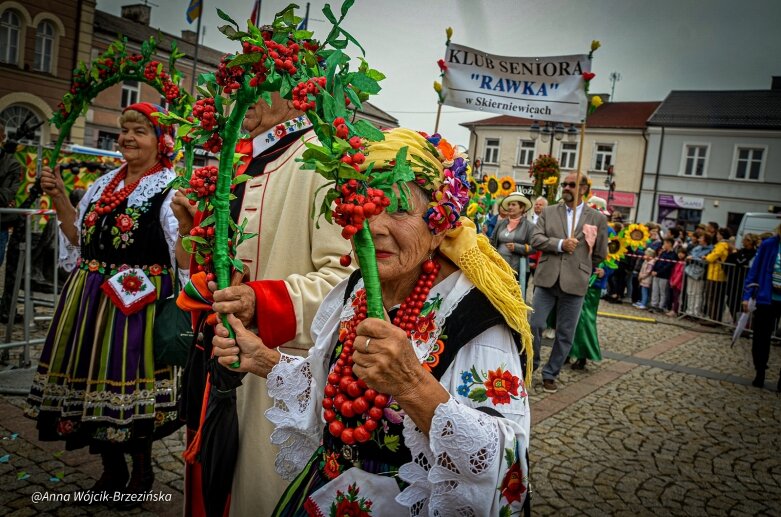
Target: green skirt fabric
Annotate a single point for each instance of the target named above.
(586, 342)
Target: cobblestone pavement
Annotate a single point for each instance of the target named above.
(667, 423)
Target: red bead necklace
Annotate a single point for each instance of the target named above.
(347, 396)
(110, 200)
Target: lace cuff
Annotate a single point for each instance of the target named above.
(294, 414)
(453, 471)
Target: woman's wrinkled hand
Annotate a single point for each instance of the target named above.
(246, 348)
(389, 364)
(183, 211)
(237, 299)
(51, 182)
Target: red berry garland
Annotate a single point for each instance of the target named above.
(110, 200)
(347, 396)
(352, 209)
(203, 182)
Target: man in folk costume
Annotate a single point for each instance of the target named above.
(291, 265)
(567, 262)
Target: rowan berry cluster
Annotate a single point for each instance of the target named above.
(213, 144)
(352, 208)
(203, 182)
(302, 91)
(204, 110)
(229, 77)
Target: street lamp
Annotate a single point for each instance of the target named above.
(557, 130)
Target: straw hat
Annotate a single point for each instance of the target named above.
(516, 196)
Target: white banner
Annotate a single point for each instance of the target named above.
(540, 88)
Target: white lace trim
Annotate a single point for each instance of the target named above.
(290, 386)
(146, 189)
(463, 444)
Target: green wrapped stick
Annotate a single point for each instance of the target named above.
(367, 260)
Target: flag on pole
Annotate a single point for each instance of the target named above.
(194, 10)
(255, 16)
(304, 24)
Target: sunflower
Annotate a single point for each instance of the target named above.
(491, 184)
(506, 186)
(636, 235)
(481, 191)
(616, 248)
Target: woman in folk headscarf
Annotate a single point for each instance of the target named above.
(97, 383)
(431, 400)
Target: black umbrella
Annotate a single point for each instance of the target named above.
(219, 438)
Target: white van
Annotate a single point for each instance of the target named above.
(756, 223)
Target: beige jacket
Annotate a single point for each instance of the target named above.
(572, 271)
(289, 247)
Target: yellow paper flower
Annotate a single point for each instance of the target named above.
(636, 235)
(449, 33)
(596, 101)
(437, 87)
(506, 185)
(471, 210)
(616, 248)
(595, 44)
(550, 180)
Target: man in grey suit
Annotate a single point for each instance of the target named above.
(564, 269)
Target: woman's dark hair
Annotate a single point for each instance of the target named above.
(725, 233)
(707, 237)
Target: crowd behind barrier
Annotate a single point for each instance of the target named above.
(22, 258)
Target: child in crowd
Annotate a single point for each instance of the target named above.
(645, 278)
(676, 281)
(662, 270)
(695, 276)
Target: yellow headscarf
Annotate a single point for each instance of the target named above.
(472, 253)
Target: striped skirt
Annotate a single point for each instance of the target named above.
(97, 382)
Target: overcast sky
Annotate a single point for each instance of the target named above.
(656, 46)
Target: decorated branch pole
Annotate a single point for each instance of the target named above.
(437, 84)
(318, 81)
(116, 64)
(594, 104)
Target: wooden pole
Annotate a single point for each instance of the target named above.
(578, 199)
(439, 112)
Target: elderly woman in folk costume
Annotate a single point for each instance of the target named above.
(433, 403)
(512, 235)
(97, 383)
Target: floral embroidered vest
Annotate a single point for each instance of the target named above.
(385, 452)
(127, 235)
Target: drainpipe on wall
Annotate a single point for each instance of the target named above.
(75, 60)
(642, 172)
(656, 178)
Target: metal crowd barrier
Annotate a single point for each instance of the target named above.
(716, 296)
(23, 281)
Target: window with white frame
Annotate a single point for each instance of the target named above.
(603, 157)
(44, 46)
(568, 155)
(130, 92)
(694, 160)
(526, 153)
(491, 150)
(10, 27)
(748, 165)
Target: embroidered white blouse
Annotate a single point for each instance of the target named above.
(471, 463)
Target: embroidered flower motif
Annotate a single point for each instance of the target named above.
(91, 219)
(424, 327)
(155, 269)
(93, 265)
(500, 385)
(512, 486)
(359, 299)
(331, 468)
(349, 505)
(124, 223)
(131, 283)
(280, 131)
(433, 356)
